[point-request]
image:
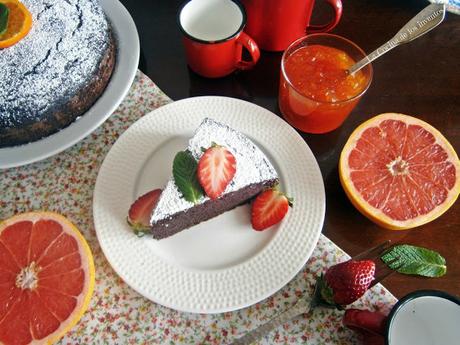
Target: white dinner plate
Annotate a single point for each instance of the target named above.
(221, 264)
(119, 84)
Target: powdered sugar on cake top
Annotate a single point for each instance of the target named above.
(252, 166)
(58, 56)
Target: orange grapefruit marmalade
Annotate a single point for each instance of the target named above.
(318, 95)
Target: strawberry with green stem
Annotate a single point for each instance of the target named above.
(344, 283)
(347, 282)
(341, 284)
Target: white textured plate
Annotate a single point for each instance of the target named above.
(221, 264)
(120, 82)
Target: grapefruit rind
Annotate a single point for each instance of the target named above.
(375, 214)
(86, 259)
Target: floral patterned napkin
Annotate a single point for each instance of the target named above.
(119, 315)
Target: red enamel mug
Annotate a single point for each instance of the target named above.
(275, 24)
(213, 37)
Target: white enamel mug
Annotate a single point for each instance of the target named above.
(425, 317)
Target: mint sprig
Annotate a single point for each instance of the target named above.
(184, 173)
(4, 15)
(408, 259)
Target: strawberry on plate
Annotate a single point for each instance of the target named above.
(216, 169)
(345, 282)
(269, 208)
(141, 210)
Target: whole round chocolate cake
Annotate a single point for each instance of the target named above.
(56, 73)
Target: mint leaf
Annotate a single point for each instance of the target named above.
(184, 172)
(409, 259)
(4, 14)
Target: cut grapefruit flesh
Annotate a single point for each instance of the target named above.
(399, 171)
(46, 278)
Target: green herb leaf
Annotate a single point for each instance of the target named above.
(184, 172)
(409, 259)
(4, 14)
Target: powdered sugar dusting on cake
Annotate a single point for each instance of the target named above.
(57, 57)
(252, 166)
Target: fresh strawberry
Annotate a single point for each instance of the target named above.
(269, 208)
(370, 324)
(365, 321)
(345, 282)
(216, 169)
(141, 210)
(369, 338)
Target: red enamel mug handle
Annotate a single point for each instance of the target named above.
(337, 7)
(251, 46)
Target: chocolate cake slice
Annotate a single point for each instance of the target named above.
(254, 172)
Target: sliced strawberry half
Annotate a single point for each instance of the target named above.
(141, 210)
(269, 208)
(216, 169)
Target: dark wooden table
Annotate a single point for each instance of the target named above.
(420, 79)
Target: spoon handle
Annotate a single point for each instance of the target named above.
(426, 20)
(301, 307)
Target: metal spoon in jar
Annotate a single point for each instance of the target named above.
(424, 21)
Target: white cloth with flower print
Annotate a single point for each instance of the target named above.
(119, 315)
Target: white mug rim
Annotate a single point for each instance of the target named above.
(232, 36)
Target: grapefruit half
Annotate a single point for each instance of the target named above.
(46, 277)
(399, 171)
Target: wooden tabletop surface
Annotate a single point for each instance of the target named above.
(421, 79)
